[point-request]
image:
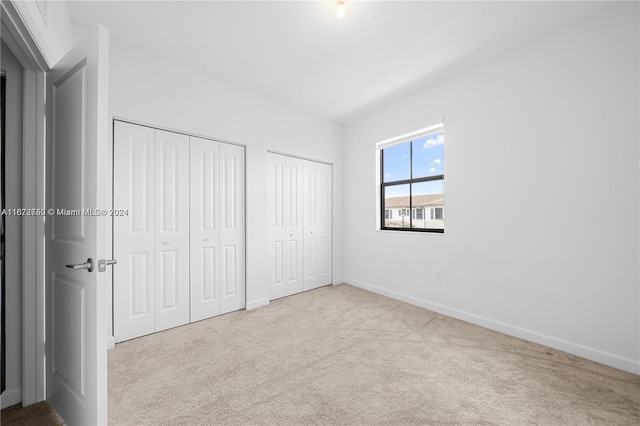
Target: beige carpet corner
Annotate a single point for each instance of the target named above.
(339, 355)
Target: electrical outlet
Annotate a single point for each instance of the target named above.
(439, 276)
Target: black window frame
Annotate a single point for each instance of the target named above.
(410, 182)
(439, 210)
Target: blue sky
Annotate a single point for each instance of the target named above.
(428, 160)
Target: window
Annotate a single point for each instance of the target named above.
(412, 181)
(388, 214)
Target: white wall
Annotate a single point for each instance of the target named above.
(542, 192)
(13, 228)
(148, 88)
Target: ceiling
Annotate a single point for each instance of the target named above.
(300, 52)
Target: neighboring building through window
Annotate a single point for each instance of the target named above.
(412, 182)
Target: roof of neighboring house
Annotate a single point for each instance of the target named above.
(418, 201)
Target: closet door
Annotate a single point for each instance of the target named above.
(325, 240)
(205, 228)
(311, 243)
(275, 225)
(293, 218)
(317, 225)
(232, 205)
(134, 275)
(285, 231)
(172, 229)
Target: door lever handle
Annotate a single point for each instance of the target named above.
(103, 263)
(88, 265)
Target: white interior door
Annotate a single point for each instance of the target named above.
(325, 240)
(285, 231)
(293, 220)
(172, 229)
(77, 358)
(276, 165)
(317, 225)
(232, 250)
(134, 190)
(205, 228)
(182, 244)
(311, 241)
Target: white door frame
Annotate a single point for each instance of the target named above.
(22, 44)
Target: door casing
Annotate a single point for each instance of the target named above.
(18, 38)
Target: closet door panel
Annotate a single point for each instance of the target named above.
(324, 225)
(134, 275)
(276, 165)
(310, 225)
(205, 224)
(232, 205)
(172, 229)
(294, 232)
(285, 225)
(317, 225)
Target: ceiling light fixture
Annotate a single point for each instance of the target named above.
(340, 9)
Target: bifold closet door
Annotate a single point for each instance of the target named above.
(232, 247)
(317, 225)
(151, 279)
(172, 229)
(285, 233)
(134, 189)
(205, 228)
(325, 224)
(217, 228)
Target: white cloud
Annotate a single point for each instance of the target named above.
(436, 161)
(433, 169)
(388, 175)
(433, 141)
(404, 157)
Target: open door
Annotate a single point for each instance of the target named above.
(77, 89)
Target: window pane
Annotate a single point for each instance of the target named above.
(428, 156)
(396, 201)
(428, 200)
(397, 162)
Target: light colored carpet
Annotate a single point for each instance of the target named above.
(343, 356)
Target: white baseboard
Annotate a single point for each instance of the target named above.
(254, 304)
(602, 357)
(111, 343)
(10, 397)
(338, 281)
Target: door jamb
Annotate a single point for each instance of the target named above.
(23, 45)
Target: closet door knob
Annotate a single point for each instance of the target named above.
(166, 243)
(205, 239)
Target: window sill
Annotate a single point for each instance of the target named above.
(428, 232)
